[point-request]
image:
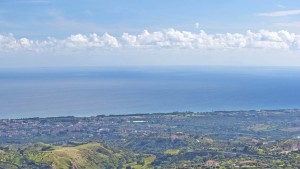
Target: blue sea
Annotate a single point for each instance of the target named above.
(48, 92)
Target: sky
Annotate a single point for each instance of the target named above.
(59, 33)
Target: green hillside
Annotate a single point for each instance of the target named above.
(90, 155)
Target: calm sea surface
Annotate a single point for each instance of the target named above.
(47, 92)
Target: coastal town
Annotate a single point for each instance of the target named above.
(279, 124)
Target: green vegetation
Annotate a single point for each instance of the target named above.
(172, 152)
(90, 155)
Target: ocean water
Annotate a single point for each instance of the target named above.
(48, 92)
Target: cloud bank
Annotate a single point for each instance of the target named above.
(169, 38)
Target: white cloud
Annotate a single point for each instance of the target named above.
(169, 38)
(130, 39)
(172, 38)
(78, 40)
(11, 43)
(24, 42)
(110, 40)
(89, 41)
(281, 13)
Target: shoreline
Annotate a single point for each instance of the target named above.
(158, 114)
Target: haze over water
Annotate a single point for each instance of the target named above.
(46, 92)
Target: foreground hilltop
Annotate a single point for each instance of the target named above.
(87, 155)
(207, 154)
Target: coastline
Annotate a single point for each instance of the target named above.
(160, 113)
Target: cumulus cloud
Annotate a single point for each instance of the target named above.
(11, 43)
(169, 38)
(110, 40)
(172, 38)
(281, 13)
(79, 41)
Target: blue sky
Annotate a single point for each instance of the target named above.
(38, 33)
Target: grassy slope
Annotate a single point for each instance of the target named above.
(91, 155)
(148, 161)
